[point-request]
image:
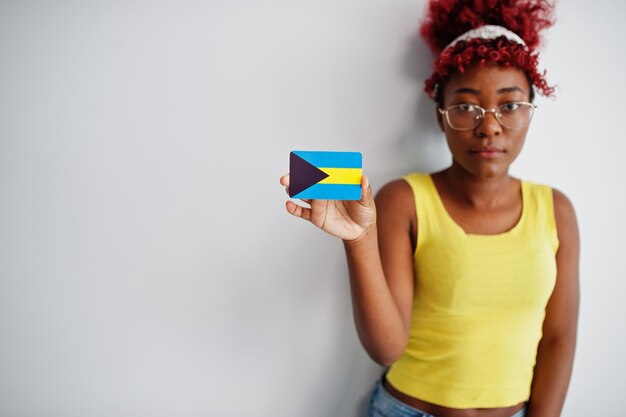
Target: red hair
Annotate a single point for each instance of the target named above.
(447, 19)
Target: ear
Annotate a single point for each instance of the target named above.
(439, 116)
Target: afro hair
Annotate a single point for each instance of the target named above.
(447, 19)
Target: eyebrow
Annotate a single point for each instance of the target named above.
(466, 90)
(510, 90)
(477, 92)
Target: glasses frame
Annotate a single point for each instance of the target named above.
(483, 112)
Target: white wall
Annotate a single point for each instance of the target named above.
(147, 265)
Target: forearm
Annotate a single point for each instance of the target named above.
(377, 317)
(551, 377)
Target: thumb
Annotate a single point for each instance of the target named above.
(366, 190)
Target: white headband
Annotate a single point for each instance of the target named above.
(487, 32)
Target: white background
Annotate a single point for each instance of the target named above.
(147, 264)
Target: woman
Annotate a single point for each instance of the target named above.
(465, 281)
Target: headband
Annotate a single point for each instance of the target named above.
(487, 32)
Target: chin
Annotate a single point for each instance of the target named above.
(486, 169)
(487, 172)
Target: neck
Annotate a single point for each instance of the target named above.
(476, 191)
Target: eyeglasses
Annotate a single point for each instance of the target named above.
(512, 115)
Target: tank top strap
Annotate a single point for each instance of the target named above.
(540, 219)
(432, 218)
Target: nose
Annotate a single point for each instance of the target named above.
(489, 126)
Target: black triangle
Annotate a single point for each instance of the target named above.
(302, 174)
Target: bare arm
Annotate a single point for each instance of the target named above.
(381, 276)
(377, 240)
(555, 354)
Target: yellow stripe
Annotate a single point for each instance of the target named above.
(342, 175)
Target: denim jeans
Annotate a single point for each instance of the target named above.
(383, 404)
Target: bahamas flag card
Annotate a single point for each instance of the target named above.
(325, 175)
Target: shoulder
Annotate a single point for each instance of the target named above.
(403, 189)
(560, 205)
(395, 201)
(395, 191)
(396, 194)
(561, 202)
(396, 215)
(563, 208)
(565, 217)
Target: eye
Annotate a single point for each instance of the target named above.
(510, 107)
(465, 108)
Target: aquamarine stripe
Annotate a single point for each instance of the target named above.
(332, 192)
(326, 159)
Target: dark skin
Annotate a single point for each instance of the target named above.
(479, 194)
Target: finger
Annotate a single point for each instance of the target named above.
(366, 189)
(298, 211)
(284, 180)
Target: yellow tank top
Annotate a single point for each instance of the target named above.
(478, 305)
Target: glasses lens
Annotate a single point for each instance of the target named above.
(464, 116)
(515, 115)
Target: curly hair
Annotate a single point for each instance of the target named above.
(447, 19)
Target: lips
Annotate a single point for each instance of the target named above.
(487, 151)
